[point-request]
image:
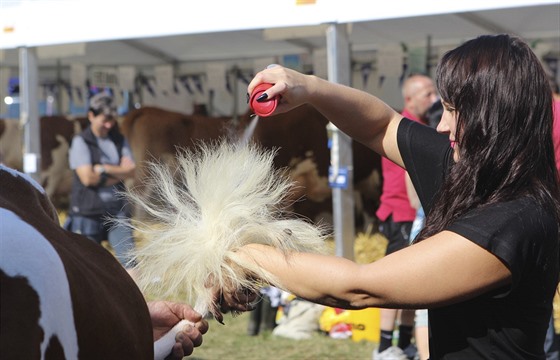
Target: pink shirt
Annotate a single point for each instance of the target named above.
(394, 198)
(556, 131)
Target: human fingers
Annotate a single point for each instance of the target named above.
(260, 77)
(240, 300)
(225, 302)
(215, 307)
(202, 326)
(185, 342)
(274, 75)
(289, 87)
(189, 338)
(185, 311)
(177, 352)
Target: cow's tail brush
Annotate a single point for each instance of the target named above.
(222, 196)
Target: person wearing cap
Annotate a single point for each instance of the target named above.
(101, 160)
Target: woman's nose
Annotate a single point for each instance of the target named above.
(442, 126)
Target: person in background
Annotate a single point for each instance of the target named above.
(396, 216)
(264, 316)
(101, 160)
(486, 264)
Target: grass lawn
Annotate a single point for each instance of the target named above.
(230, 342)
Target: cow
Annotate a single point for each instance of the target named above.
(62, 295)
(300, 137)
(157, 135)
(56, 134)
(11, 143)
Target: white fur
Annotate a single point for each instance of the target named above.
(222, 196)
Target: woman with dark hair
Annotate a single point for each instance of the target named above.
(486, 264)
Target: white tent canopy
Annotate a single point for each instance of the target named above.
(140, 33)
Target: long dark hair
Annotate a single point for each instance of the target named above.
(504, 129)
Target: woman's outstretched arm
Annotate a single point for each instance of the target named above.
(440, 270)
(362, 116)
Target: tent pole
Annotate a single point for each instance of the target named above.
(29, 112)
(341, 173)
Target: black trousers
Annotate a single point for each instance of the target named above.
(398, 234)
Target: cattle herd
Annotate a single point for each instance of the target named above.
(155, 134)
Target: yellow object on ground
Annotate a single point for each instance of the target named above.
(365, 323)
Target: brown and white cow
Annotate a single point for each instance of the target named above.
(56, 134)
(156, 134)
(299, 135)
(62, 296)
(302, 139)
